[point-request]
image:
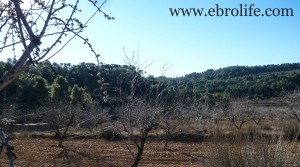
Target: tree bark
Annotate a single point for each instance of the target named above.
(140, 151)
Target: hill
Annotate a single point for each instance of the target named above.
(42, 83)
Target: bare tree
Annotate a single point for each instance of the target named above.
(295, 109)
(139, 115)
(202, 115)
(277, 113)
(93, 116)
(238, 112)
(37, 30)
(176, 115)
(258, 114)
(60, 116)
(137, 119)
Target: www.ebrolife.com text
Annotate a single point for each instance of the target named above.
(240, 10)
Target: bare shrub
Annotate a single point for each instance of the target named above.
(111, 134)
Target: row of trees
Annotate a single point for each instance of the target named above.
(30, 92)
(61, 81)
(140, 119)
(241, 81)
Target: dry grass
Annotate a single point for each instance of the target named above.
(255, 154)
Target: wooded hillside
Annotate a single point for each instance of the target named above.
(88, 82)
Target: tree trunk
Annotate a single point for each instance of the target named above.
(167, 139)
(166, 144)
(59, 137)
(139, 154)
(60, 141)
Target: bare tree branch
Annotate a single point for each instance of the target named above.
(38, 20)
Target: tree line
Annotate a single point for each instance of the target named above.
(87, 82)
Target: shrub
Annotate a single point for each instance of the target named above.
(291, 130)
(110, 134)
(252, 154)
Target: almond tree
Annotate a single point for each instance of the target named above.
(60, 116)
(139, 115)
(36, 30)
(137, 119)
(202, 115)
(92, 116)
(177, 114)
(259, 113)
(238, 112)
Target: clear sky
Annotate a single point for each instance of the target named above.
(189, 44)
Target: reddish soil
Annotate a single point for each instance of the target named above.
(34, 152)
(42, 152)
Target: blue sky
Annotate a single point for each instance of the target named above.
(189, 44)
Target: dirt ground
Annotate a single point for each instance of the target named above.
(34, 152)
(43, 152)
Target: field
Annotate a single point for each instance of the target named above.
(271, 142)
(43, 152)
(36, 152)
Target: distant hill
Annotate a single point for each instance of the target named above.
(241, 81)
(46, 81)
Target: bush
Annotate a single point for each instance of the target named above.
(250, 154)
(291, 130)
(110, 134)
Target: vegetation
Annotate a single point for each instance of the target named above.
(119, 103)
(80, 83)
(67, 101)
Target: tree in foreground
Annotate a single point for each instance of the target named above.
(138, 118)
(37, 30)
(138, 115)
